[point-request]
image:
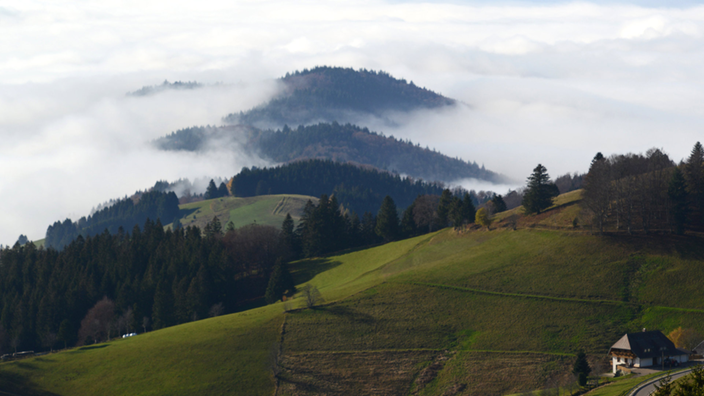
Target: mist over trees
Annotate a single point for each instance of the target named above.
(645, 192)
(338, 142)
(338, 94)
(165, 86)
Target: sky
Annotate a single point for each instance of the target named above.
(550, 82)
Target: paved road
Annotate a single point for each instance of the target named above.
(649, 387)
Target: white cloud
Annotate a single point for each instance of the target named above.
(545, 82)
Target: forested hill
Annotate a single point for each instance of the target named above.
(343, 143)
(123, 214)
(351, 143)
(358, 189)
(326, 94)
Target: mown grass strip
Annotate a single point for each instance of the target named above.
(520, 295)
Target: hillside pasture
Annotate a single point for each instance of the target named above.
(264, 210)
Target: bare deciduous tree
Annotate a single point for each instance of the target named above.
(98, 322)
(216, 310)
(311, 295)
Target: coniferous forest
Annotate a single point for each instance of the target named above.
(153, 278)
(335, 94)
(123, 214)
(356, 188)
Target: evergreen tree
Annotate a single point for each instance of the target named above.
(163, 311)
(597, 195)
(468, 209)
(677, 191)
(368, 228)
(212, 191)
(539, 191)
(222, 190)
(288, 238)
(387, 220)
(694, 175)
(213, 228)
(581, 368)
(456, 213)
(22, 240)
(280, 282)
(408, 223)
(67, 333)
(444, 206)
(499, 204)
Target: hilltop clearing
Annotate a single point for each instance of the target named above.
(263, 210)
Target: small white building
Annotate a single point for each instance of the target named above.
(648, 348)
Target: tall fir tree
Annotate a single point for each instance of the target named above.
(212, 191)
(499, 204)
(677, 192)
(387, 220)
(280, 282)
(289, 239)
(222, 190)
(597, 194)
(694, 175)
(408, 223)
(539, 191)
(468, 209)
(444, 206)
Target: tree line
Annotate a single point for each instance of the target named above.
(327, 227)
(636, 192)
(123, 214)
(348, 142)
(357, 188)
(151, 278)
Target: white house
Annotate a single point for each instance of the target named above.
(648, 348)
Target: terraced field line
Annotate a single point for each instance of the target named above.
(430, 350)
(520, 295)
(537, 296)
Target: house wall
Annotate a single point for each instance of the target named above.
(646, 362)
(681, 358)
(621, 361)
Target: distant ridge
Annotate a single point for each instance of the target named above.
(314, 117)
(327, 94)
(165, 86)
(333, 141)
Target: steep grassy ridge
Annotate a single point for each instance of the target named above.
(476, 312)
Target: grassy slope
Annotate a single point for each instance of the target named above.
(263, 209)
(445, 312)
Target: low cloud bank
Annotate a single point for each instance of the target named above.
(62, 157)
(543, 82)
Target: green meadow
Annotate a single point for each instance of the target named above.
(264, 209)
(465, 312)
